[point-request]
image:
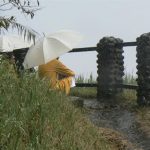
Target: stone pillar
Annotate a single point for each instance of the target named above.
(19, 55)
(110, 67)
(143, 69)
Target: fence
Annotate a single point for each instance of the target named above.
(110, 68)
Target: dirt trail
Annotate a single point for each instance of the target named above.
(117, 118)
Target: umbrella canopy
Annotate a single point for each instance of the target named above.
(11, 42)
(51, 47)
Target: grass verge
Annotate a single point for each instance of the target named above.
(33, 117)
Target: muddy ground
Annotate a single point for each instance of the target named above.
(116, 118)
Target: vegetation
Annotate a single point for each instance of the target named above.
(129, 79)
(35, 117)
(91, 92)
(24, 6)
(82, 79)
(84, 92)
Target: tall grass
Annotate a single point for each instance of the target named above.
(86, 92)
(33, 117)
(129, 79)
(82, 79)
(91, 92)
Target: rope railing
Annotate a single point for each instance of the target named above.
(88, 49)
(124, 86)
(129, 44)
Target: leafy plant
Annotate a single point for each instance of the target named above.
(24, 6)
(38, 118)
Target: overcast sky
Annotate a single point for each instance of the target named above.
(125, 19)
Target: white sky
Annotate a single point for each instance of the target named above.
(125, 19)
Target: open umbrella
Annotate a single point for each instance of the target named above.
(10, 42)
(51, 47)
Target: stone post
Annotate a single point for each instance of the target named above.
(143, 69)
(110, 67)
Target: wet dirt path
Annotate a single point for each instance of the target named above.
(117, 118)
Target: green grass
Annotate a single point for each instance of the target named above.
(82, 79)
(129, 79)
(91, 92)
(85, 92)
(33, 117)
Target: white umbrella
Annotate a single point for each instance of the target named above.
(51, 47)
(10, 42)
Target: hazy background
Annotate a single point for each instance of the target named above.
(125, 19)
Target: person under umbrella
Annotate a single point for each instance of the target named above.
(44, 53)
(60, 76)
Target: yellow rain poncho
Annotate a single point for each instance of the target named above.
(60, 76)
